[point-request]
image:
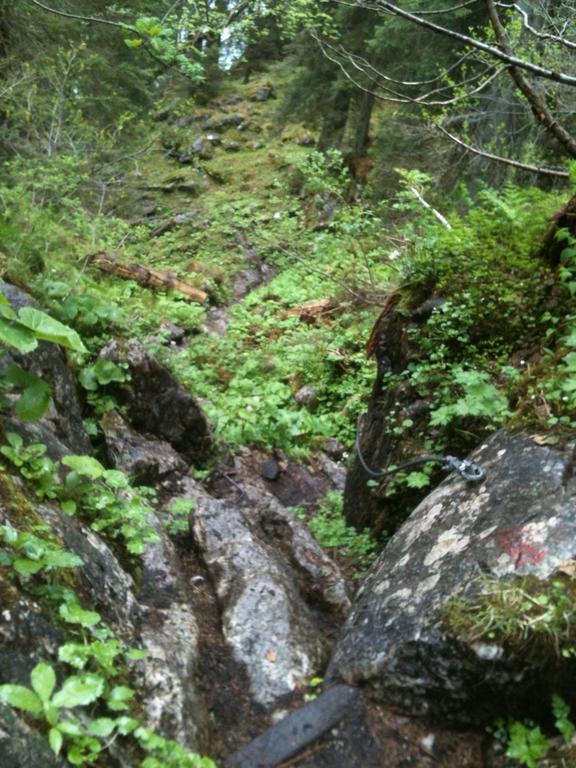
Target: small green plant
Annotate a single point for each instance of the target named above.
(22, 332)
(527, 744)
(84, 737)
(104, 496)
(534, 618)
(330, 529)
(179, 511)
(29, 553)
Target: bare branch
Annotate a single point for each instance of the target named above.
(497, 53)
(394, 96)
(541, 35)
(425, 204)
(537, 104)
(77, 17)
(505, 160)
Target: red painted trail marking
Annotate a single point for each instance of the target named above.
(517, 543)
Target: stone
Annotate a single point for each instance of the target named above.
(146, 461)
(334, 448)
(159, 406)
(305, 140)
(263, 93)
(233, 146)
(268, 573)
(519, 521)
(270, 470)
(232, 100)
(224, 122)
(202, 148)
(20, 747)
(172, 332)
(307, 397)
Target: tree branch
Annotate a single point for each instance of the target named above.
(90, 19)
(542, 35)
(537, 104)
(505, 160)
(497, 53)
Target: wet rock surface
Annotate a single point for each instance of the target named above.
(519, 521)
(145, 460)
(270, 625)
(61, 428)
(158, 405)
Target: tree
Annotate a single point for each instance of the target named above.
(526, 42)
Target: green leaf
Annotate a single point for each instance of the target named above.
(34, 401)
(47, 328)
(78, 691)
(15, 335)
(74, 614)
(74, 654)
(118, 698)
(126, 725)
(417, 480)
(22, 698)
(85, 465)
(102, 727)
(58, 558)
(68, 507)
(35, 398)
(55, 739)
(27, 567)
(43, 679)
(136, 654)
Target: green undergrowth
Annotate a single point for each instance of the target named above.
(328, 525)
(531, 618)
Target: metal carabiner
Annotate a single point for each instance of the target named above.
(468, 470)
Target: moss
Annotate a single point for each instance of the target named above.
(15, 506)
(533, 619)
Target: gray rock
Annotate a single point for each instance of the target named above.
(266, 620)
(145, 461)
(233, 146)
(202, 148)
(307, 397)
(231, 100)
(334, 448)
(169, 632)
(519, 521)
(305, 140)
(20, 747)
(270, 470)
(216, 323)
(159, 405)
(61, 429)
(263, 93)
(172, 331)
(224, 122)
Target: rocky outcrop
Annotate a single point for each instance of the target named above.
(146, 461)
(264, 584)
(61, 429)
(159, 406)
(519, 521)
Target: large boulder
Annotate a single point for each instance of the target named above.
(159, 406)
(520, 521)
(273, 584)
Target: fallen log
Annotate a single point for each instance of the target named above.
(309, 313)
(148, 278)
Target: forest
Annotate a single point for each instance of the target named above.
(287, 383)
